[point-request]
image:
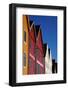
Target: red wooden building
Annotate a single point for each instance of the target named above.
(40, 65)
(38, 53)
(36, 63)
(31, 50)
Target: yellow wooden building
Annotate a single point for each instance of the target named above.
(25, 44)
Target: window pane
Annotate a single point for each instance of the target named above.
(36, 52)
(30, 62)
(24, 36)
(24, 59)
(38, 69)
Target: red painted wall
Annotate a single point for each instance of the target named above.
(31, 64)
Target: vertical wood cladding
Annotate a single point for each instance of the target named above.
(37, 55)
(25, 44)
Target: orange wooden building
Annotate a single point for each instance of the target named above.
(25, 44)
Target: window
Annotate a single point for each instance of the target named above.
(30, 44)
(36, 52)
(24, 59)
(38, 69)
(24, 36)
(30, 62)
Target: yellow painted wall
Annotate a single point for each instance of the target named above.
(25, 44)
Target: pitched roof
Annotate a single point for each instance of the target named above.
(49, 51)
(53, 60)
(44, 49)
(31, 23)
(37, 30)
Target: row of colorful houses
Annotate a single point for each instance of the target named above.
(37, 58)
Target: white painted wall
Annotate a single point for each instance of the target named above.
(48, 62)
(4, 47)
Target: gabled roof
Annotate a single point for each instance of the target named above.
(31, 23)
(49, 51)
(37, 28)
(44, 49)
(53, 60)
(31, 30)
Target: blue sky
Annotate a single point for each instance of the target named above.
(49, 31)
